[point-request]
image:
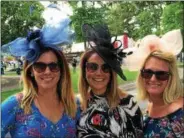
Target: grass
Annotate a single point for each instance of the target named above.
(131, 76)
(75, 77)
(180, 64)
(10, 73)
(6, 94)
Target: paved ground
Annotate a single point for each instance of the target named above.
(9, 82)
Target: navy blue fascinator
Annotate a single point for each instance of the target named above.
(99, 39)
(52, 34)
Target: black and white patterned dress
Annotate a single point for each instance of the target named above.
(124, 121)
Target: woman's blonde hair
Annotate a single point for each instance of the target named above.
(64, 88)
(113, 92)
(173, 89)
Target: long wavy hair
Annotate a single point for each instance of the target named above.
(174, 89)
(64, 89)
(113, 92)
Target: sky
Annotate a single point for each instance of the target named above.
(54, 16)
(63, 5)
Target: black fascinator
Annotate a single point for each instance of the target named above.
(99, 39)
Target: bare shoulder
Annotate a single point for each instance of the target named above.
(177, 104)
(180, 102)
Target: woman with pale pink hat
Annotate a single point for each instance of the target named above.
(159, 83)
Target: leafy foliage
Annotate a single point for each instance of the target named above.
(120, 17)
(137, 18)
(17, 17)
(173, 16)
(85, 14)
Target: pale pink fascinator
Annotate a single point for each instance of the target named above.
(170, 42)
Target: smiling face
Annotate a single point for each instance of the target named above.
(154, 86)
(47, 79)
(98, 80)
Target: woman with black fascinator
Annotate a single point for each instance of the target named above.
(46, 107)
(108, 112)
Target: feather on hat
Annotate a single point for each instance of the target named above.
(53, 34)
(99, 39)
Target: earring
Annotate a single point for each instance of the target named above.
(32, 75)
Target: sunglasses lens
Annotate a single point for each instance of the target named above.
(147, 74)
(91, 67)
(39, 67)
(105, 68)
(160, 75)
(54, 67)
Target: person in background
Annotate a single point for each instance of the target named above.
(159, 83)
(2, 68)
(74, 64)
(47, 106)
(108, 111)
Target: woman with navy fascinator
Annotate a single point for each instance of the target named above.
(47, 106)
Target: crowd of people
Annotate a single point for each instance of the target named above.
(48, 107)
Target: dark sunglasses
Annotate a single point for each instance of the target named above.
(92, 67)
(41, 67)
(160, 75)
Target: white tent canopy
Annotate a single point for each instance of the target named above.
(77, 47)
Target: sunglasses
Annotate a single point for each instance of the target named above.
(41, 67)
(92, 67)
(160, 75)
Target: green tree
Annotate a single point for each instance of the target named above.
(87, 13)
(173, 16)
(136, 18)
(121, 17)
(148, 18)
(18, 17)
